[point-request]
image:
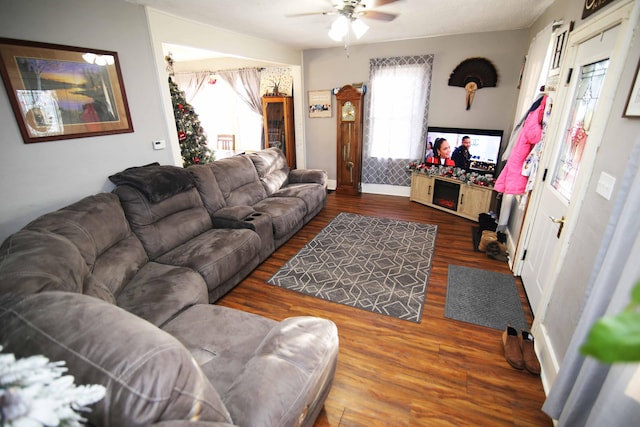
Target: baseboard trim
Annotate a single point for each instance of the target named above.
(548, 361)
(389, 190)
(511, 249)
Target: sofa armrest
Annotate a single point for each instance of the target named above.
(290, 374)
(235, 213)
(232, 216)
(306, 176)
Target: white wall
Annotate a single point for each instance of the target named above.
(492, 107)
(37, 178)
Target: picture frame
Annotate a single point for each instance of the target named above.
(592, 6)
(319, 103)
(632, 108)
(62, 92)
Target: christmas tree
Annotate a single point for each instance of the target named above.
(191, 136)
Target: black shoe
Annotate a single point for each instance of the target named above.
(494, 252)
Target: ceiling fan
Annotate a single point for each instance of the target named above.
(354, 9)
(349, 13)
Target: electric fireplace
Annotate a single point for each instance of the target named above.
(445, 194)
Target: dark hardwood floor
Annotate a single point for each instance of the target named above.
(439, 372)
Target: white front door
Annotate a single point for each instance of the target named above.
(570, 147)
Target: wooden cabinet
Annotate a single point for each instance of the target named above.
(473, 201)
(422, 188)
(450, 195)
(279, 127)
(349, 140)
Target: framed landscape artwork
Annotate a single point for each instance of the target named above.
(61, 92)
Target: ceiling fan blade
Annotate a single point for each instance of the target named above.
(378, 3)
(297, 15)
(380, 16)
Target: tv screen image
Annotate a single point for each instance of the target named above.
(485, 145)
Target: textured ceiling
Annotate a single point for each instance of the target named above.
(269, 19)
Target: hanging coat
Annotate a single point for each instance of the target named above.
(511, 180)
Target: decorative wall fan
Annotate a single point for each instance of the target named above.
(473, 74)
(349, 13)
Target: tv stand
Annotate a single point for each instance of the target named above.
(450, 195)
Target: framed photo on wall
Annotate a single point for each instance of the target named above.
(319, 103)
(61, 92)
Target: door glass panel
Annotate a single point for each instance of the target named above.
(588, 91)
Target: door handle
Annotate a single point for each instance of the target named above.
(558, 221)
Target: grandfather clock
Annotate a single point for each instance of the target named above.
(349, 139)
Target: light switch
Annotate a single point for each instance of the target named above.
(159, 144)
(605, 185)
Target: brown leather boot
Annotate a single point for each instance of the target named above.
(512, 349)
(529, 353)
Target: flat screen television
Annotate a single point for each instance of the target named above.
(485, 146)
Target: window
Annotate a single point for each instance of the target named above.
(396, 124)
(221, 111)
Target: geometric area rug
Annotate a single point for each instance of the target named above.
(485, 298)
(376, 264)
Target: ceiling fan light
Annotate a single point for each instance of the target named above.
(339, 28)
(335, 36)
(359, 28)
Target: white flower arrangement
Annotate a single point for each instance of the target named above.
(34, 393)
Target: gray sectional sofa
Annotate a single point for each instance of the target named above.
(120, 286)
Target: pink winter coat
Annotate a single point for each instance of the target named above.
(511, 180)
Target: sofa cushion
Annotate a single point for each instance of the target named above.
(222, 353)
(287, 215)
(205, 181)
(167, 224)
(273, 170)
(35, 261)
(216, 254)
(149, 375)
(158, 292)
(97, 226)
(156, 182)
(238, 181)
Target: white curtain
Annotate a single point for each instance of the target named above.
(246, 83)
(398, 103)
(191, 83)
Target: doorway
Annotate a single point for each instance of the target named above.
(590, 72)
